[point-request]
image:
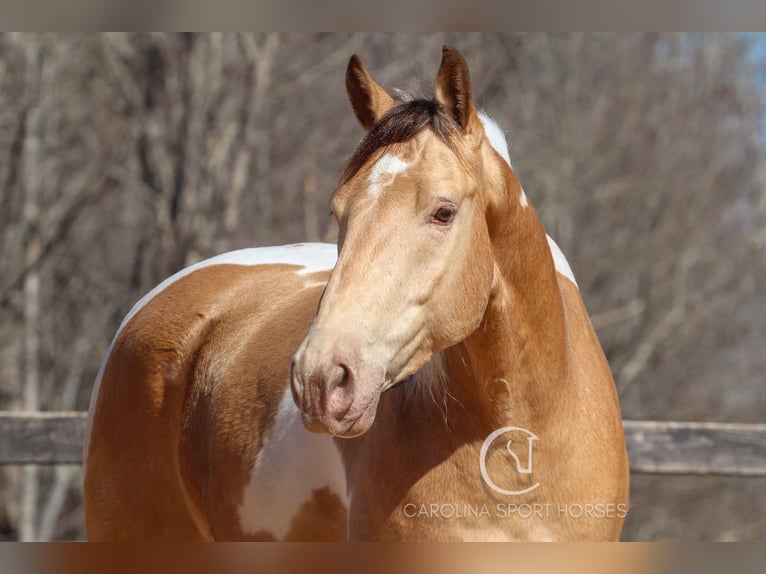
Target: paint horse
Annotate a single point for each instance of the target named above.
(286, 394)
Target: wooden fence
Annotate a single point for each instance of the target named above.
(653, 447)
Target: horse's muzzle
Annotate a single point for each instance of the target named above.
(329, 399)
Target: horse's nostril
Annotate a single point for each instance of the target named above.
(339, 377)
(296, 387)
(345, 376)
(339, 391)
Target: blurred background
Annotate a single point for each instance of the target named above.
(125, 157)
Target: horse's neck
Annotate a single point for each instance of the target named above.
(511, 370)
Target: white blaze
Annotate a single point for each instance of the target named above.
(384, 170)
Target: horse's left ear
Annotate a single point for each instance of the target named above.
(453, 88)
(369, 101)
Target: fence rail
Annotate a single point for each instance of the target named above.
(41, 437)
(654, 447)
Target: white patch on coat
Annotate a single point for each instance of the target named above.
(523, 198)
(560, 261)
(500, 145)
(498, 142)
(495, 136)
(384, 170)
(312, 257)
(291, 464)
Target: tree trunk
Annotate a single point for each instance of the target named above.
(31, 178)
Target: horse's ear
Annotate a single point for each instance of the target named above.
(453, 88)
(369, 101)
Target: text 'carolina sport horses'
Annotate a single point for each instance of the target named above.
(437, 379)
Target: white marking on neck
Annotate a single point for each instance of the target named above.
(523, 198)
(498, 142)
(384, 170)
(560, 262)
(495, 136)
(291, 464)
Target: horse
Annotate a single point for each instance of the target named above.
(434, 376)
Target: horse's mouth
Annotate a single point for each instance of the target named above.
(348, 427)
(362, 423)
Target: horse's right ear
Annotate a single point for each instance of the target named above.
(369, 101)
(453, 89)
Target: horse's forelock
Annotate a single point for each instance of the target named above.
(399, 125)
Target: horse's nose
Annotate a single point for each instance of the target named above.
(339, 387)
(325, 392)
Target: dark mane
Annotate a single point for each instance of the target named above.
(398, 125)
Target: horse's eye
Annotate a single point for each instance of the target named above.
(444, 215)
